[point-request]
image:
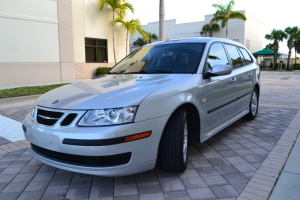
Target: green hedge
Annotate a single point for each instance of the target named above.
(101, 70)
(276, 66)
(295, 66)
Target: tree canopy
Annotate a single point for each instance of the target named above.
(120, 7)
(210, 28)
(224, 13)
(276, 36)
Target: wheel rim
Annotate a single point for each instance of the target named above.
(185, 141)
(254, 103)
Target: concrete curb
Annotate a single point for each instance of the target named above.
(263, 181)
(18, 101)
(3, 87)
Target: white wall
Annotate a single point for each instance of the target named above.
(89, 22)
(78, 30)
(235, 29)
(254, 33)
(29, 33)
(238, 30)
(173, 30)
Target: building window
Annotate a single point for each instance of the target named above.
(95, 50)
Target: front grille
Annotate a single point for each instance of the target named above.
(87, 161)
(48, 118)
(68, 119)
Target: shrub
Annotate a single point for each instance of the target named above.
(278, 64)
(101, 70)
(295, 66)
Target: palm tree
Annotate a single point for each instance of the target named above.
(152, 36)
(297, 45)
(292, 34)
(118, 6)
(161, 20)
(131, 27)
(270, 46)
(210, 28)
(224, 13)
(297, 48)
(139, 42)
(276, 36)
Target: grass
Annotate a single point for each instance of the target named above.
(26, 91)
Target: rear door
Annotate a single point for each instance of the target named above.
(243, 75)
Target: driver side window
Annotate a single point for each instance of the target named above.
(216, 56)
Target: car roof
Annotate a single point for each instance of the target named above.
(197, 40)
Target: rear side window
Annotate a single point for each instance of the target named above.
(234, 55)
(247, 58)
(216, 56)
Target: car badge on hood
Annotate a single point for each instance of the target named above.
(54, 102)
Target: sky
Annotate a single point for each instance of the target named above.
(272, 13)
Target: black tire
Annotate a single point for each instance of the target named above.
(174, 143)
(253, 106)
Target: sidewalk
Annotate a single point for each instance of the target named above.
(278, 177)
(250, 160)
(287, 187)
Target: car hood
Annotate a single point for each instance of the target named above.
(107, 91)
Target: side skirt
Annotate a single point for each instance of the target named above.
(220, 127)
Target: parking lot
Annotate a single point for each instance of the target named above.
(220, 168)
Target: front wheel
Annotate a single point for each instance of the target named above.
(253, 106)
(174, 143)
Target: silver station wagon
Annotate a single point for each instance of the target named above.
(146, 109)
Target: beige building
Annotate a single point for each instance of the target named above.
(249, 33)
(51, 40)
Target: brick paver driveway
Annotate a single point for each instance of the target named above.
(218, 169)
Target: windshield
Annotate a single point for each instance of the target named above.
(165, 58)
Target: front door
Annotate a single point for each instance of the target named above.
(220, 91)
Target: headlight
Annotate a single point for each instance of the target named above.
(108, 116)
(33, 112)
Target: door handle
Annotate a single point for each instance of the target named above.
(233, 79)
(250, 74)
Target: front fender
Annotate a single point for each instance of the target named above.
(166, 100)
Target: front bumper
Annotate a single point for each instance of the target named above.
(143, 151)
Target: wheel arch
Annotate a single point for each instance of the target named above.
(258, 89)
(193, 118)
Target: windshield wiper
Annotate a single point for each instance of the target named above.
(150, 72)
(113, 73)
(158, 71)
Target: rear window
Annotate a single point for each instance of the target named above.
(164, 58)
(235, 56)
(247, 59)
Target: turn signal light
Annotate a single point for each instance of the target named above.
(138, 136)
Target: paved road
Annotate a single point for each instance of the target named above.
(221, 168)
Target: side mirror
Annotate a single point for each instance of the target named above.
(218, 70)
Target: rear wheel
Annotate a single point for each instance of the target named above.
(253, 106)
(174, 143)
